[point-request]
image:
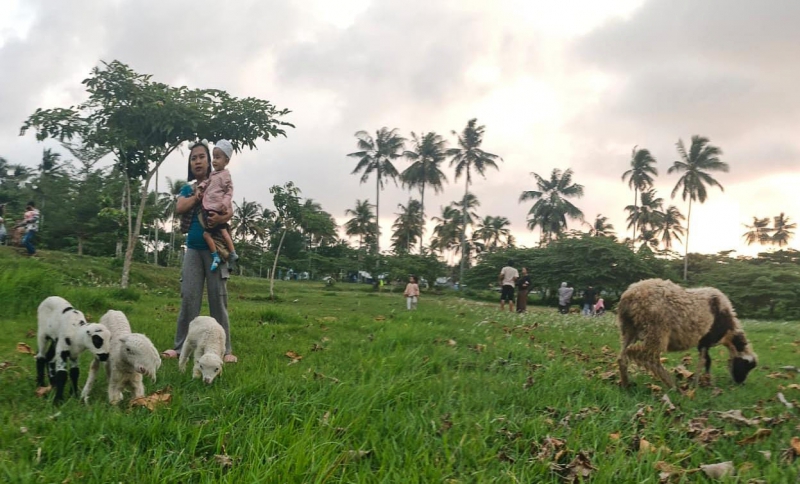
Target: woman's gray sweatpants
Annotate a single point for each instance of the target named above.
(197, 271)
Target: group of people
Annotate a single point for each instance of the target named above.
(28, 226)
(511, 280)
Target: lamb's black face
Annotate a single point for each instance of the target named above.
(740, 367)
(102, 356)
(97, 341)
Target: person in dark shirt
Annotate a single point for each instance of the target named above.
(523, 286)
(589, 295)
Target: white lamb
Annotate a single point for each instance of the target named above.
(207, 339)
(132, 355)
(63, 335)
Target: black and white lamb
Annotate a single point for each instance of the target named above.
(656, 316)
(206, 339)
(62, 336)
(132, 355)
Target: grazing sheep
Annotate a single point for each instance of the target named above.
(132, 355)
(207, 339)
(657, 316)
(68, 335)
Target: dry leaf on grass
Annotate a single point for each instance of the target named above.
(668, 471)
(795, 443)
(757, 435)
(681, 372)
(353, 455)
(614, 436)
(608, 375)
(654, 388)
(793, 386)
(736, 416)
(550, 448)
(25, 348)
(783, 400)
(223, 460)
(321, 376)
(578, 470)
(528, 382)
(153, 400)
(451, 342)
(317, 347)
(329, 319)
(294, 357)
(668, 403)
(698, 429)
(767, 454)
(718, 471)
(380, 318)
(31, 333)
(446, 425)
(478, 348)
(42, 391)
(778, 375)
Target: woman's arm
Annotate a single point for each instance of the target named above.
(184, 204)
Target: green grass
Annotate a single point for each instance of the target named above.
(455, 392)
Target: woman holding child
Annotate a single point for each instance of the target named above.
(197, 270)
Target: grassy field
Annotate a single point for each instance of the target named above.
(454, 392)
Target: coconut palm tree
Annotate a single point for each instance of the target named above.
(601, 227)
(491, 231)
(428, 153)
(783, 230)
(362, 224)
(174, 188)
(447, 232)
(670, 226)
(639, 176)
(376, 155)
(648, 213)
(245, 221)
(469, 157)
(551, 209)
(758, 232)
(408, 226)
(695, 165)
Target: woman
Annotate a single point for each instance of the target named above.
(196, 270)
(524, 284)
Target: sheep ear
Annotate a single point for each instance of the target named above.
(123, 339)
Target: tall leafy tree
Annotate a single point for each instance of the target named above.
(142, 122)
(447, 232)
(669, 227)
(377, 155)
(695, 166)
(648, 214)
(491, 231)
(758, 232)
(408, 226)
(362, 225)
(783, 230)
(469, 157)
(640, 176)
(174, 188)
(551, 209)
(319, 227)
(245, 221)
(601, 227)
(427, 154)
(288, 213)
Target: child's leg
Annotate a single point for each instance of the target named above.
(408, 303)
(212, 247)
(228, 240)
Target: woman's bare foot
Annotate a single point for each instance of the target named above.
(230, 359)
(169, 354)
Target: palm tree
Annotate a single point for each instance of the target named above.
(648, 239)
(376, 155)
(469, 156)
(429, 152)
(363, 222)
(784, 230)
(319, 227)
(647, 215)
(758, 232)
(639, 176)
(695, 164)
(245, 220)
(601, 227)
(552, 208)
(408, 226)
(670, 226)
(491, 230)
(174, 188)
(447, 232)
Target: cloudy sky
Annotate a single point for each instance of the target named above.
(571, 84)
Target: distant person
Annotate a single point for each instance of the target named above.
(524, 286)
(217, 193)
(508, 278)
(411, 293)
(3, 232)
(30, 223)
(599, 307)
(564, 298)
(589, 296)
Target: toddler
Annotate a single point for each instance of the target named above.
(217, 194)
(411, 293)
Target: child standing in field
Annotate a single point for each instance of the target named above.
(217, 194)
(411, 293)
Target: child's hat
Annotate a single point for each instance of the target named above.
(225, 146)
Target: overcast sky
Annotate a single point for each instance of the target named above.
(570, 84)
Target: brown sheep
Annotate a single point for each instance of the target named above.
(657, 316)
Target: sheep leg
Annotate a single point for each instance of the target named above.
(198, 353)
(74, 374)
(138, 386)
(42, 359)
(114, 391)
(184, 358)
(643, 355)
(90, 378)
(60, 379)
(622, 361)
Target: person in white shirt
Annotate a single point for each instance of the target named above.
(508, 279)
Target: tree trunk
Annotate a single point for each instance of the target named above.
(378, 216)
(686, 246)
(463, 233)
(126, 265)
(422, 207)
(155, 222)
(635, 213)
(274, 265)
(80, 245)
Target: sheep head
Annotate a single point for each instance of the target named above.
(742, 358)
(138, 352)
(96, 339)
(210, 366)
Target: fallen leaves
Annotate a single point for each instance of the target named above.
(161, 397)
(294, 357)
(718, 471)
(783, 400)
(737, 417)
(223, 460)
(25, 349)
(42, 391)
(778, 375)
(759, 434)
